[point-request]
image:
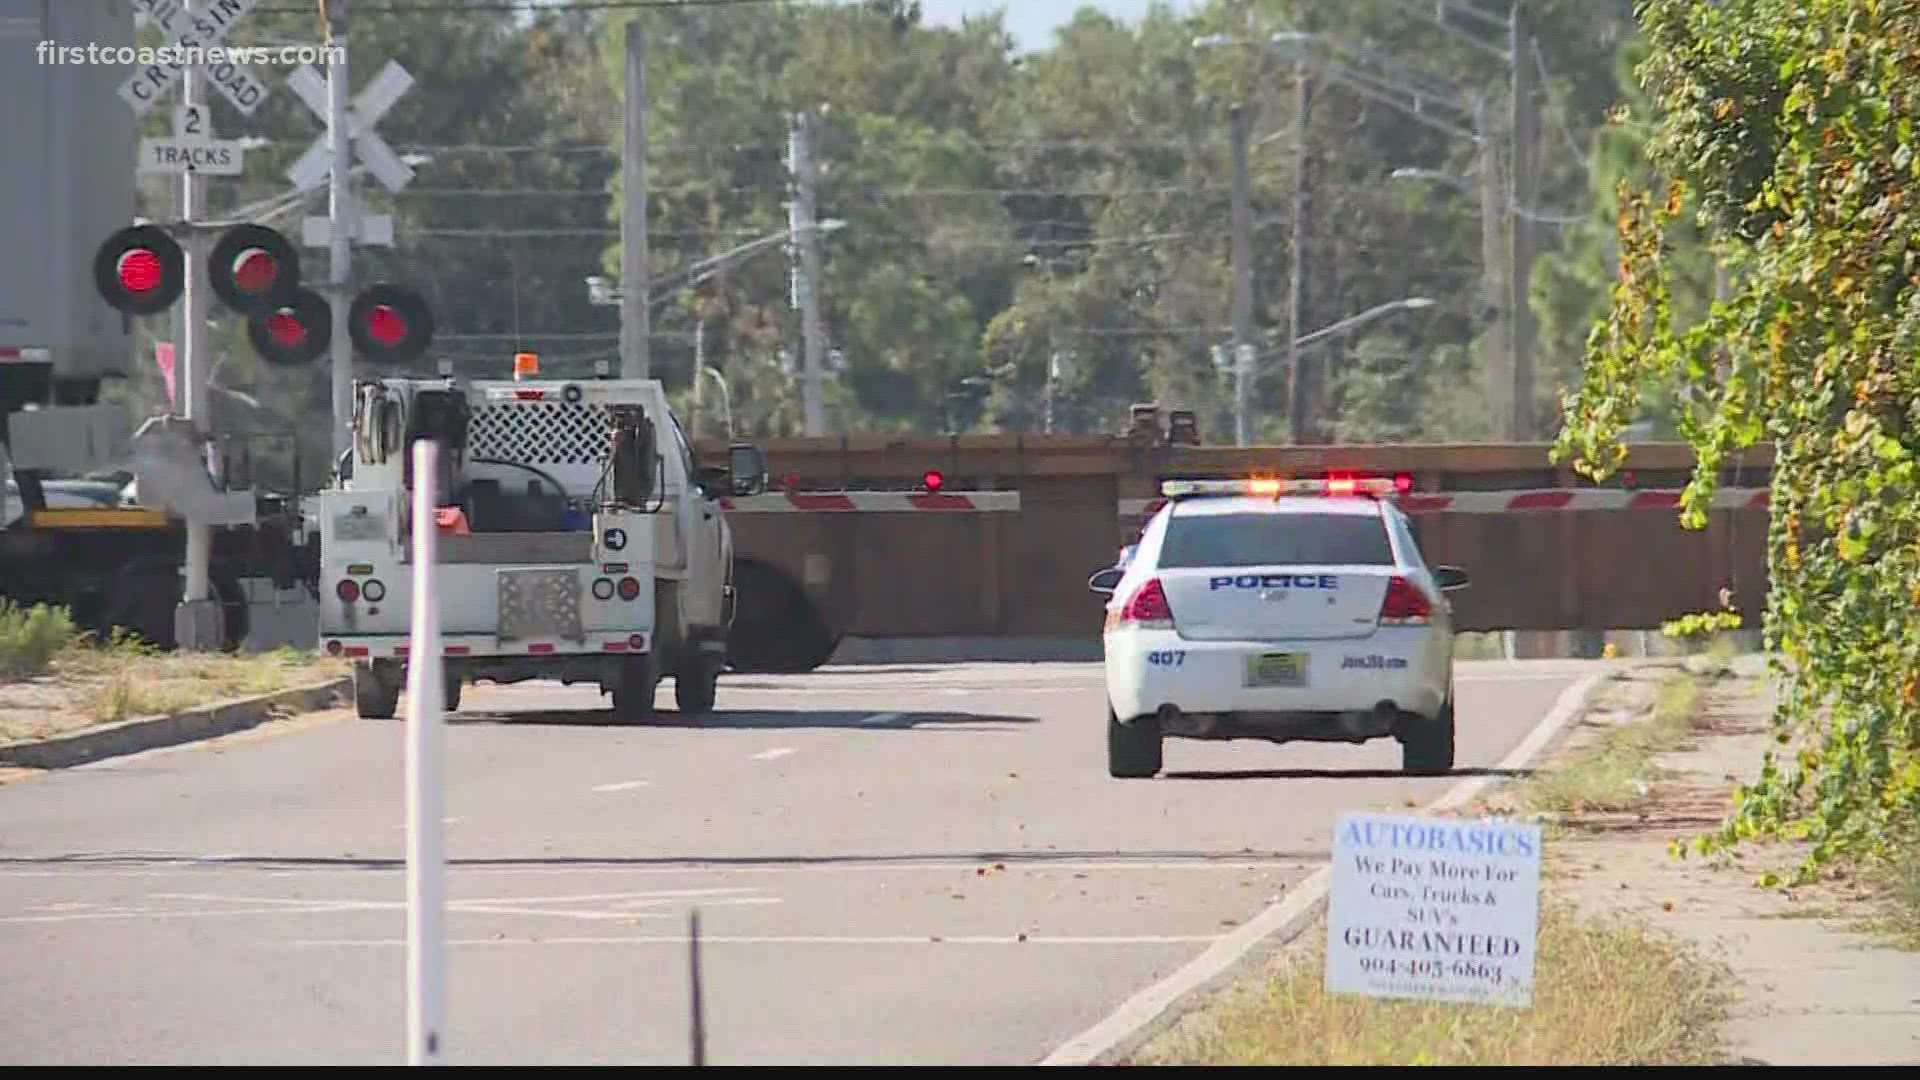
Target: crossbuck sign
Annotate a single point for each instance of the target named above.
(191, 39)
(366, 110)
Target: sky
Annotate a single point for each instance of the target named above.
(1032, 22)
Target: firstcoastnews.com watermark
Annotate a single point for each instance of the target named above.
(179, 56)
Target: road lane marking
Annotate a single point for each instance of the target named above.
(778, 939)
(772, 755)
(1283, 921)
(626, 786)
(880, 718)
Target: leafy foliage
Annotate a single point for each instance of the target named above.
(1788, 125)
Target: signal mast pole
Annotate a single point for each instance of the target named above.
(340, 219)
(197, 622)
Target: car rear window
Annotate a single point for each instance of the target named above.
(1275, 540)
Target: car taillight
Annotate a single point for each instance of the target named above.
(1149, 607)
(1405, 604)
(348, 591)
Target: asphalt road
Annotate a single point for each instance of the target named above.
(911, 865)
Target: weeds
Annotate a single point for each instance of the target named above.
(31, 637)
(1618, 770)
(1605, 993)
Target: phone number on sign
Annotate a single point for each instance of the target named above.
(1432, 969)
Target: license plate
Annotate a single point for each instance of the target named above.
(1277, 669)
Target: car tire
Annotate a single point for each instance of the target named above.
(697, 684)
(1133, 750)
(1426, 747)
(376, 692)
(633, 694)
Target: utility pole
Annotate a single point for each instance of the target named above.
(801, 221)
(1300, 382)
(197, 622)
(1526, 165)
(1494, 220)
(1242, 279)
(340, 219)
(635, 361)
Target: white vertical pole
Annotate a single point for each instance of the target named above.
(340, 220)
(195, 362)
(426, 782)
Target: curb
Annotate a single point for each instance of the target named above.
(153, 732)
(1151, 1011)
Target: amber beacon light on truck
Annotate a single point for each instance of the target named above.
(142, 270)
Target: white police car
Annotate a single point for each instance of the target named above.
(1282, 611)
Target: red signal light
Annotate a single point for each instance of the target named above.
(253, 269)
(256, 271)
(1403, 482)
(386, 326)
(295, 333)
(140, 271)
(286, 330)
(934, 480)
(390, 324)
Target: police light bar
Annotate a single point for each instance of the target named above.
(1273, 488)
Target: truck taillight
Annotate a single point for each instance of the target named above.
(1405, 604)
(603, 588)
(348, 591)
(375, 591)
(1149, 608)
(629, 588)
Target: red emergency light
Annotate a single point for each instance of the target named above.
(933, 481)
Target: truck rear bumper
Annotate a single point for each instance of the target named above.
(483, 647)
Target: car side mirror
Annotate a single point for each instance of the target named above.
(712, 480)
(1450, 578)
(1105, 581)
(747, 467)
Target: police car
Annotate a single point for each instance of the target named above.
(1296, 610)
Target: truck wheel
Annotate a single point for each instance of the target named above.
(697, 684)
(376, 692)
(1426, 746)
(633, 694)
(1133, 750)
(450, 699)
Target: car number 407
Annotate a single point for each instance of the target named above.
(1168, 657)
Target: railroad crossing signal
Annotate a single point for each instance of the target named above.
(201, 30)
(255, 271)
(311, 170)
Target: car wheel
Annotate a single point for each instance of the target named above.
(1427, 745)
(1133, 750)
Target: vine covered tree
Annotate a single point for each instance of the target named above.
(1787, 127)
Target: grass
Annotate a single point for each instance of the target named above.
(30, 638)
(128, 679)
(1605, 993)
(1617, 772)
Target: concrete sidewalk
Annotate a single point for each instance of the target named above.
(1815, 988)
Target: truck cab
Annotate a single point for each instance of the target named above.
(577, 539)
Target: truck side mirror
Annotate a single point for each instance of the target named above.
(747, 465)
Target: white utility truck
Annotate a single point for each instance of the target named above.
(579, 540)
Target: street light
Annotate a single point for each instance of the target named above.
(1246, 357)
